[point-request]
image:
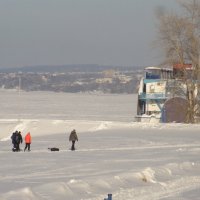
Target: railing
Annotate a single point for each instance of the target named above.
(152, 96)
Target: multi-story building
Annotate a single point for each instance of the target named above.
(157, 99)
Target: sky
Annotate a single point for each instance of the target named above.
(104, 32)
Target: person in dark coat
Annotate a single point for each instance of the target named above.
(18, 140)
(73, 138)
(13, 138)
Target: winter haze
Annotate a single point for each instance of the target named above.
(105, 32)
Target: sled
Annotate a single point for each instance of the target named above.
(53, 149)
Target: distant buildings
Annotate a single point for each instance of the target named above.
(105, 81)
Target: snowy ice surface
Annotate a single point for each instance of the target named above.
(133, 161)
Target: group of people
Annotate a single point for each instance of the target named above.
(17, 140)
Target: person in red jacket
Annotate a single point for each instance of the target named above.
(27, 141)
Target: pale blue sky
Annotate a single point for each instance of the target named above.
(56, 32)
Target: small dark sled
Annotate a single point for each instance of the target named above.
(53, 149)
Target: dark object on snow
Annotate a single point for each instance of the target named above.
(109, 197)
(53, 149)
(14, 149)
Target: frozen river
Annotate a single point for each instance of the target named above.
(131, 160)
(50, 105)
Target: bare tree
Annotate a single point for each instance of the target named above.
(179, 37)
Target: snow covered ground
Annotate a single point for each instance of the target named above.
(133, 161)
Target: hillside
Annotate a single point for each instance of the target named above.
(72, 78)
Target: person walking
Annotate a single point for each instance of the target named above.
(73, 138)
(27, 141)
(13, 138)
(18, 140)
